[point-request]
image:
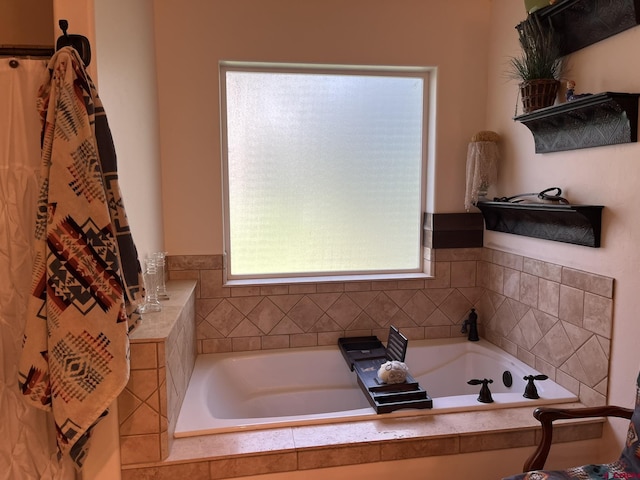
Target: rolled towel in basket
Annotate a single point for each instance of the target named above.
(393, 372)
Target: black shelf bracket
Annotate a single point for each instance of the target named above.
(606, 118)
(577, 224)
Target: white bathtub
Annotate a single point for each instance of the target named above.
(305, 386)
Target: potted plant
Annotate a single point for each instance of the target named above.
(539, 66)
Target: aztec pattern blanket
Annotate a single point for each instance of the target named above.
(86, 280)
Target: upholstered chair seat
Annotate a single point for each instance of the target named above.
(627, 466)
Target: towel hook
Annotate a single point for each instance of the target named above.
(64, 26)
(79, 42)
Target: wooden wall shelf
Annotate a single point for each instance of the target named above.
(577, 224)
(579, 23)
(606, 118)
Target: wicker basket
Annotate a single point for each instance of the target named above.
(538, 94)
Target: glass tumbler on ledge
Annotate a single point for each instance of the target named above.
(160, 258)
(151, 302)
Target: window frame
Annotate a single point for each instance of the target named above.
(425, 73)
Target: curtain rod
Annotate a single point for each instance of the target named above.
(26, 51)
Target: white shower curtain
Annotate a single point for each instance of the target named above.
(27, 450)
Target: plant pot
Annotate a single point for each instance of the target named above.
(538, 94)
(533, 5)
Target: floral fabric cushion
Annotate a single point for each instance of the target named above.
(627, 466)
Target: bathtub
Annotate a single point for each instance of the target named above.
(306, 386)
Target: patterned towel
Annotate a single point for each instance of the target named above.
(86, 281)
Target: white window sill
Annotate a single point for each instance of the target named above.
(327, 279)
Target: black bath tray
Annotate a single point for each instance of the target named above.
(386, 402)
(365, 355)
(361, 348)
(387, 398)
(370, 348)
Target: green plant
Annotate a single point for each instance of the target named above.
(540, 58)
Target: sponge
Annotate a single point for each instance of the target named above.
(393, 372)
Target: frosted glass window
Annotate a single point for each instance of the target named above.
(323, 173)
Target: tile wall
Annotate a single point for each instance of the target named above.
(162, 358)
(310, 314)
(554, 318)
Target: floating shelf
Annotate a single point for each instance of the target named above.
(577, 224)
(579, 23)
(606, 118)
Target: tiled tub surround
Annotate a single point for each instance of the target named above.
(302, 449)
(554, 318)
(244, 318)
(248, 318)
(162, 359)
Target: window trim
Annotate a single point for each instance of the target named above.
(425, 73)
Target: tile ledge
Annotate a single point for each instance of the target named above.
(520, 419)
(157, 326)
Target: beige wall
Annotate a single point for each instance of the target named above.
(126, 66)
(602, 176)
(191, 41)
(26, 22)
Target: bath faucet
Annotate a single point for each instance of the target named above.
(530, 391)
(485, 393)
(472, 323)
